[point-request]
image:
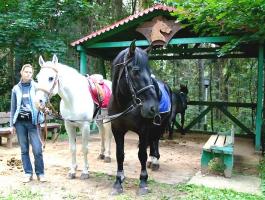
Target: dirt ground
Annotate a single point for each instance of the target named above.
(179, 162)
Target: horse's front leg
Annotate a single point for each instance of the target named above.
(171, 128)
(85, 136)
(119, 139)
(71, 131)
(142, 155)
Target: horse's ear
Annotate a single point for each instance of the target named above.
(41, 61)
(132, 48)
(148, 49)
(54, 59)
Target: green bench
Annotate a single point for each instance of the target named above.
(220, 145)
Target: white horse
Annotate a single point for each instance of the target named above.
(76, 107)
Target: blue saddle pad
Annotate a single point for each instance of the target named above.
(164, 105)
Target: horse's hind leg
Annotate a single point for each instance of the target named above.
(85, 136)
(102, 140)
(71, 131)
(108, 138)
(171, 129)
(154, 156)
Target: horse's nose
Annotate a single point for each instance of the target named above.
(40, 101)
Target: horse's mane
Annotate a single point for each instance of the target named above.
(65, 69)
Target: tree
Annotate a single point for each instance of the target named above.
(214, 17)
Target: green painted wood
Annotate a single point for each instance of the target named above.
(225, 150)
(121, 44)
(259, 97)
(205, 159)
(181, 50)
(83, 60)
(206, 56)
(222, 104)
(217, 39)
(235, 120)
(197, 119)
(173, 41)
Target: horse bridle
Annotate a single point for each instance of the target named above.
(49, 93)
(49, 106)
(134, 92)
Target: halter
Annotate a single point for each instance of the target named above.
(134, 92)
(49, 93)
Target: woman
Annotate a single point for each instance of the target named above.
(24, 119)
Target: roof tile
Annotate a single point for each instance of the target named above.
(121, 22)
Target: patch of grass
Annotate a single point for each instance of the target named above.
(22, 194)
(200, 193)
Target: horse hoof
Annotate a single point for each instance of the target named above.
(84, 176)
(155, 167)
(101, 157)
(107, 159)
(71, 176)
(149, 163)
(116, 191)
(142, 191)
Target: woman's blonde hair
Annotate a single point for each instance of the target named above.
(27, 65)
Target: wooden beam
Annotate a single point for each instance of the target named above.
(174, 41)
(259, 97)
(83, 60)
(201, 115)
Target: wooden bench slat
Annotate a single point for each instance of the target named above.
(220, 141)
(211, 141)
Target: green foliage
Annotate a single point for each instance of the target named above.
(226, 17)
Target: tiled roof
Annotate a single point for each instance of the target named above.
(123, 21)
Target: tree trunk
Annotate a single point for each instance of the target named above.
(117, 7)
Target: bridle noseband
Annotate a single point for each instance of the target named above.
(134, 92)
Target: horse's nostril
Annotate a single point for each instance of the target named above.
(152, 109)
(40, 101)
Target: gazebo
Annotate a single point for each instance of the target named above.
(171, 40)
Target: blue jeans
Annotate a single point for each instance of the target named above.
(27, 133)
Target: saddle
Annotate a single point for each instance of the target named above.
(99, 90)
(165, 103)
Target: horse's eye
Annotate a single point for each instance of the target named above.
(50, 79)
(135, 70)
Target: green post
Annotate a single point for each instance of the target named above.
(102, 68)
(259, 97)
(83, 60)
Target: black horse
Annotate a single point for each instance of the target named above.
(135, 100)
(179, 105)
